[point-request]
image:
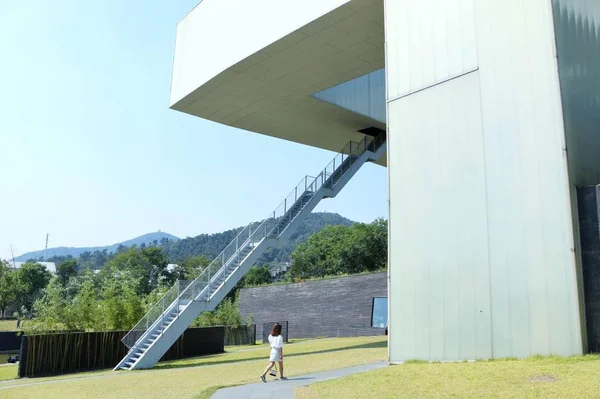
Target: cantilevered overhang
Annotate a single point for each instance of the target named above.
(256, 65)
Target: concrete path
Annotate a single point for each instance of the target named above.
(275, 389)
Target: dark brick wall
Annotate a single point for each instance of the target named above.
(9, 341)
(338, 307)
(588, 199)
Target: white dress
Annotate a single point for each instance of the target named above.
(276, 345)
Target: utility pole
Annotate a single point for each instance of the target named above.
(13, 256)
(46, 249)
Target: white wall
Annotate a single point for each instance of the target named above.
(439, 292)
(217, 34)
(481, 240)
(429, 41)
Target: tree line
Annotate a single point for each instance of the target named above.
(210, 245)
(80, 298)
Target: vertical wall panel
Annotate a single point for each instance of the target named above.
(533, 272)
(480, 213)
(577, 27)
(438, 294)
(432, 41)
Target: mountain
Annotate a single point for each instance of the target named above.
(148, 239)
(210, 245)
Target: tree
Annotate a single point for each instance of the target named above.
(10, 287)
(226, 314)
(158, 261)
(84, 310)
(51, 310)
(146, 267)
(99, 303)
(99, 258)
(120, 305)
(34, 278)
(65, 270)
(339, 250)
(258, 275)
(190, 267)
(366, 249)
(132, 264)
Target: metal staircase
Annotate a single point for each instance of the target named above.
(158, 330)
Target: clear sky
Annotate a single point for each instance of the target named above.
(91, 153)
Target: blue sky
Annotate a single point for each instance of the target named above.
(91, 153)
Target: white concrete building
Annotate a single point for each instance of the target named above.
(492, 113)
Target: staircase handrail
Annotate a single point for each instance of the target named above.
(250, 236)
(138, 325)
(262, 231)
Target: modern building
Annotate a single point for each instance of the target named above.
(492, 114)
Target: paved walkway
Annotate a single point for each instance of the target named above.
(275, 389)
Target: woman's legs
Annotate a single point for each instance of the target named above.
(271, 364)
(281, 369)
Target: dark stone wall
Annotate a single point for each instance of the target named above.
(267, 328)
(588, 199)
(9, 341)
(338, 307)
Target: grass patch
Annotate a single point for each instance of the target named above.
(238, 348)
(8, 372)
(8, 325)
(200, 377)
(547, 377)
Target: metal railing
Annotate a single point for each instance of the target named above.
(216, 273)
(155, 318)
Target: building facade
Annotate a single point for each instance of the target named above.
(492, 112)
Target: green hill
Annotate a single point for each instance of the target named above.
(210, 245)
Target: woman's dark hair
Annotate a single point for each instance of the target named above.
(276, 330)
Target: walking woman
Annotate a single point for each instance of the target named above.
(276, 343)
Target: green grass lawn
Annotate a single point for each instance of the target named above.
(8, 373)
(8, 325)
(200, 377)
(577, 377)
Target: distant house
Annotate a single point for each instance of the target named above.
(50, 266)
(171, 266)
